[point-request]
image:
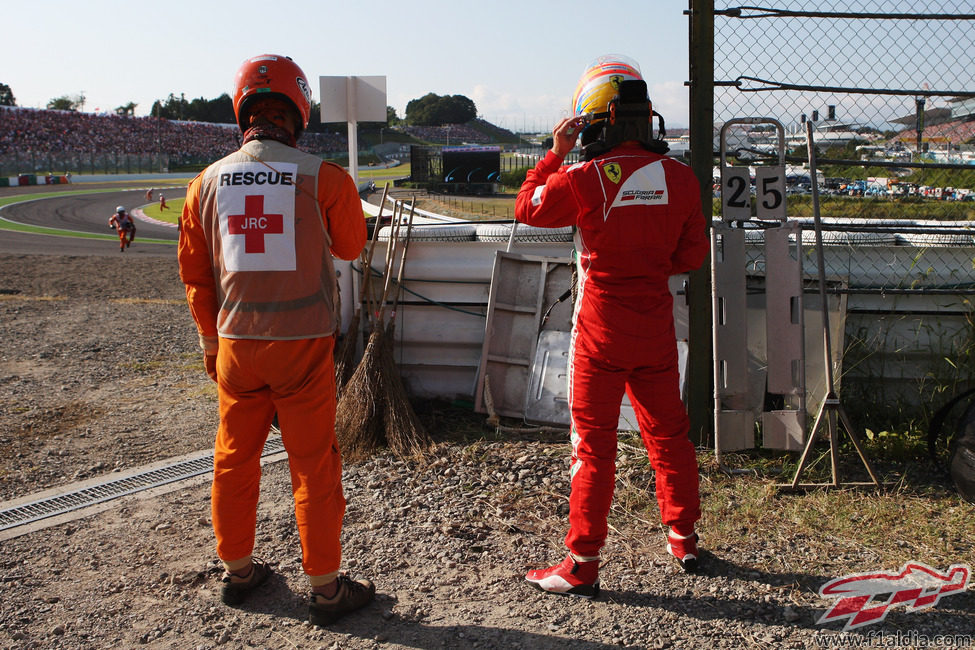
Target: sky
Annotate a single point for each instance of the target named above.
(519, 61)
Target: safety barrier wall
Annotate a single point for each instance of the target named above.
(32, 179)
(909, 335)
(909, 331)
(440, 318)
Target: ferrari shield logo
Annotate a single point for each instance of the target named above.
(613, 172)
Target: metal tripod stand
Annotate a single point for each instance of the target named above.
(831, 413)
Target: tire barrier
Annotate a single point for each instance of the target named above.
(501, 232)
(434, 232)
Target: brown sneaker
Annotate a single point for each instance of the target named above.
(351, 595)
(236, 588)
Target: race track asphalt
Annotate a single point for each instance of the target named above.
(87, 213)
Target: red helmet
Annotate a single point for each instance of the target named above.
(271, 75)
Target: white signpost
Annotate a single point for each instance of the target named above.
(353, 100)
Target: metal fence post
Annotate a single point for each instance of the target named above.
(701, 69)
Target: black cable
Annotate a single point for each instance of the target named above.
(772, 12)
(779, 85)
(548, 312)
(431, 301)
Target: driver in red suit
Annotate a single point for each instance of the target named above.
(638, 220)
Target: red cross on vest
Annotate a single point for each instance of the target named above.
(254, 224)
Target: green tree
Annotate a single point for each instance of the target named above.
(391, 118)
(126, 110)
(7, 96)
(434, 110)
(65, 103)
(219, 110)
(315, 124)
(174, 108)
(419, 111)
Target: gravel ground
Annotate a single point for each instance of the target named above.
(100, 374)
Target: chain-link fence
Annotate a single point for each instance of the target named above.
(888, 85)
(889, 90)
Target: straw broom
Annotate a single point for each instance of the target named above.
(346, 353)
(359, 413)
(405, 434)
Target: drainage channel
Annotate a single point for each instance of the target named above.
(94, 494)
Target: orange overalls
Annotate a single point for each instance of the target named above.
(256, 233)
(125, 227)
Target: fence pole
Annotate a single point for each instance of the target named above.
(698, 389)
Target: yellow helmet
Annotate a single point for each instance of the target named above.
(599, 84)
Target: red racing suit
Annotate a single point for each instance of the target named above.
(638, 221)
(257, 234)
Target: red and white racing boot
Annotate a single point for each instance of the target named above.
(568, 577)
(684, 549)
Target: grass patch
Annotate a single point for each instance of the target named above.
(145, 366)
(924, 522)
(472, 208)
(174, 208)
(399, 171)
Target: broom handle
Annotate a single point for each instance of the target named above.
(393, 234)
(402, 262)
(373, 305)
(367, 264)
(372, 247)
(391, 253)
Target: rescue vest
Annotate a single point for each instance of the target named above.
(268, 244)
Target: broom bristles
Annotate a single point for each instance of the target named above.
(405, 434)
(374, 409)
(358, 423)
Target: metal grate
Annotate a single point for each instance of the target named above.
(89, 496)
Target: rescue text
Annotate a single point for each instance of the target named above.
(257, 178)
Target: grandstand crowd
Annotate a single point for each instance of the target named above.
(41, 132)
(959, 130)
